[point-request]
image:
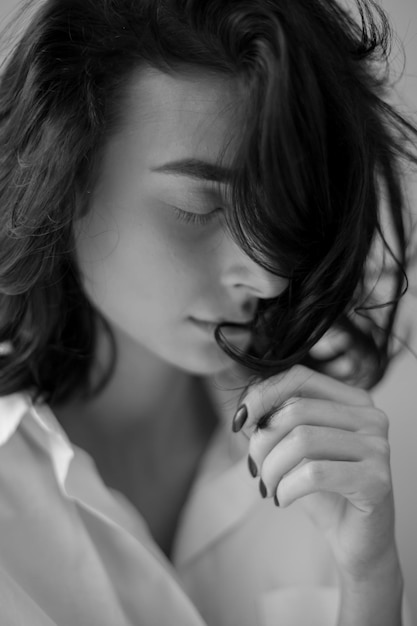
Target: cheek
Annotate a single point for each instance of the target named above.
(140, 264)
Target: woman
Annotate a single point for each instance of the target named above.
(191, 213)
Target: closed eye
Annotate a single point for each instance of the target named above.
(195, 218)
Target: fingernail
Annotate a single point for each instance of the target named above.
(252, 466)
(276, 500)
(262, 488)
(240, 418)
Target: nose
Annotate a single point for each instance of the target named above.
(241, 274)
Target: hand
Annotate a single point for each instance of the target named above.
(326, 443)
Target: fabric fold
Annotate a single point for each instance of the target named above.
(214, 508)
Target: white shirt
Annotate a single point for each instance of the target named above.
(74, 552)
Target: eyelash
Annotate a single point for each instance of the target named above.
(195, 218)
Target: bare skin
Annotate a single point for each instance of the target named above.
(152, 460)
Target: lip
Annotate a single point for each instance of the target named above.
(221, 321)
(229, 330)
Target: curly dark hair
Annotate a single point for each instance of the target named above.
(320, 153)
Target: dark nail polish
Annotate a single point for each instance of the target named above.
(252, 466)
(276, 500)
(262, 488)
(240, 418)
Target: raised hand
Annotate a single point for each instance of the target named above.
(318, 439)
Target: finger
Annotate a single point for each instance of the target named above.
(312, 442)
(362, 483)
(310, 412)
(267, 396)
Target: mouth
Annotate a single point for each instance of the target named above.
(235, 328)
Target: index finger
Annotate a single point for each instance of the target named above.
(268, 396)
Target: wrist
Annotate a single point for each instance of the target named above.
(374, 597)
(385, 569)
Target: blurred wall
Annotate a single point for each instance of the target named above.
(397, 394)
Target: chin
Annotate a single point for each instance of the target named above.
(205, 363)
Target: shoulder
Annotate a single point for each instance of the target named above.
(37, 529)
(14, 447)
(34, 452)
(25, 463)
(12, 410)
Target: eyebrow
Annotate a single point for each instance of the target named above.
(195, 168)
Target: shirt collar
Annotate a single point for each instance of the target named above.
(223, 493)
(12, 410)
(42, 424)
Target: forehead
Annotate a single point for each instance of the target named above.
(168, 117)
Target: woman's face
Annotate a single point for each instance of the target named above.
(153, 274)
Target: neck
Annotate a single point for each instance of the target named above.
(141, 387)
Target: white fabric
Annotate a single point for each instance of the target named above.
(73, 551)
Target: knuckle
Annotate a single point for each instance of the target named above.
(378, 483)
(297, 369)
(382, 484)
(385, 479)
(315, 472)
(303, 433)
(254, 391)
(271, 382)
(301, 436)
(386, 482)
(382, 448)
(382, 420)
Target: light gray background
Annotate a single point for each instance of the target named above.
(397, 395)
